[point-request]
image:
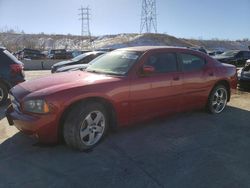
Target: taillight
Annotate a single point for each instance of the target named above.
(16, 68)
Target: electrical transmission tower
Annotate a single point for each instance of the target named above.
(85, 19)
(148, 16)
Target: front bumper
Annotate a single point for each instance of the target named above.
(43, 127)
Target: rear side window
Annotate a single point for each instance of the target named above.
(191, 62)
(163, 62)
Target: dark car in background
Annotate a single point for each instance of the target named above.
(11, 73)
(57, 54)
(28, 53)
(215, 52)
(72, 68)
(244, 76)
(79, 52)
(234, 57)
(78, 66)
(81, 59)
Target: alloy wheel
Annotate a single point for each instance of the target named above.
(219, 100)
(92, 128)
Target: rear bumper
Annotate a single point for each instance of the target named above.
(43, 127)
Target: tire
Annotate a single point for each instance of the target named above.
(217, 99)
(3, 94)
(85, 126)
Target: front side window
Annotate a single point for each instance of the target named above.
(191, 62)
(163, 62)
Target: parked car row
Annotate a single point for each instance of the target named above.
(27, 53)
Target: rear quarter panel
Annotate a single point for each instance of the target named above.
(226, 72)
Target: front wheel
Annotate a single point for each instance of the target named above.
(85, 126)
(218, 99)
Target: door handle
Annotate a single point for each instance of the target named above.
(211, 74)
(176, 78)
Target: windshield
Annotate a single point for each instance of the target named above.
(230, 53)
(116, 62)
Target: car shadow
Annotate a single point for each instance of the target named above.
(2, 111)
(193, 149)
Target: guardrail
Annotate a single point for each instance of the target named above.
(44, 64)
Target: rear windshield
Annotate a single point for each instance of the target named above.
(7, 57)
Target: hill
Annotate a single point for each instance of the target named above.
(18, 41)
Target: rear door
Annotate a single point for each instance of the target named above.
(159, 93)
(196, 80)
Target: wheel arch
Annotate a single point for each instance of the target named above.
(107, 104)
(225, 83)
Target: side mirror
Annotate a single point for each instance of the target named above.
(148, 69)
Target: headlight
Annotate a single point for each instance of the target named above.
(36, 106)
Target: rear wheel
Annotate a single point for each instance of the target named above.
(218, 99)
(3, 94)
(85, 126)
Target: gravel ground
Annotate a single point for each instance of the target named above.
(193, 149)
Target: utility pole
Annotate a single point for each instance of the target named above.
(85, 19)
(148, 16)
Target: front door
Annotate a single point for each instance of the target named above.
(158, 93)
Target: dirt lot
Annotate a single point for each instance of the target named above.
(193, 149)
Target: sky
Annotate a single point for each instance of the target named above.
(199, 19)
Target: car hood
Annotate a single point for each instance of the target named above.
(62, 63)
(72, 67)
(58, 82)
(218, 57)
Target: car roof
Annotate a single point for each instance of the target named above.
(147, 48)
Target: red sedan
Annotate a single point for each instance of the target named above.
(123, 87)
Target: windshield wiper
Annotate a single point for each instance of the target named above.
(106, 73)
(94, 71)
(112, 73)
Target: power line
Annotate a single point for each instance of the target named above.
(148, 16)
